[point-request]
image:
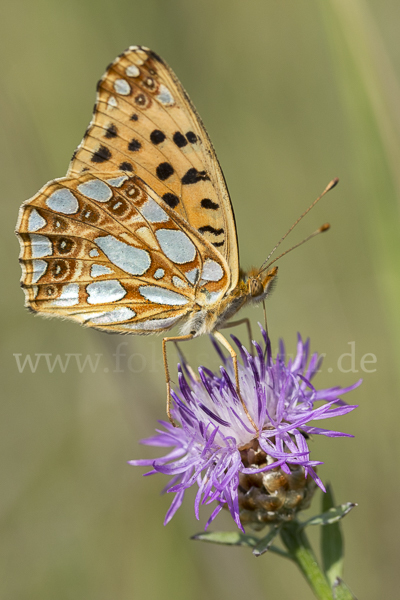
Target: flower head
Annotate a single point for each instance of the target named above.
(262, 476)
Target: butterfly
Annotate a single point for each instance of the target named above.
(140, 235)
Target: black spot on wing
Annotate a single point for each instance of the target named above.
(101, 155)
(171, 200)
(209, 229)
(125, 166)
(164, 170)
(193, 176)
(157, 136)
(192, 137)
(218, 244)
(179, 139)
(134, 145)
(134, 117)
(111, 131)
(209, 204)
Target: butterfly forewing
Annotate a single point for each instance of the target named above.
(108, 252)
(144, 124)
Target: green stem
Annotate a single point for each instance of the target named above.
(301, 553)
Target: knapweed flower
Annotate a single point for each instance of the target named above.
(262, 476)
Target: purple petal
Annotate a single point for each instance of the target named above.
(218, 349)
(175, 504)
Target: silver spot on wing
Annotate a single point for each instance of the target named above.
(96, 190)
(160, 295)
(165, 96)
(121, 86)
(103, 292)
(40, 246)
(97, 270)
(114, 316)
(212, 271)
(154, 213)
(178, 282)
(132, 71)
(39, 269)
(112, 102)
(193, 276)
(69, 295)
(117, 181)
(153, 324)
(128, 258)
(176, 245)
(63, 201)
(35, 221)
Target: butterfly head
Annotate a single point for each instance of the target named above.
(260, 283)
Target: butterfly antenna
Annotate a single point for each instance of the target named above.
(330, 186)
(321, 229)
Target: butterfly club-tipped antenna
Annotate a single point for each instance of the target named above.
(266, 265)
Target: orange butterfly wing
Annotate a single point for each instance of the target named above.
(107, 252)
(141, 230)
(145, 123)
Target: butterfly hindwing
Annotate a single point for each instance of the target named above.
(145, 124)
(108, 252)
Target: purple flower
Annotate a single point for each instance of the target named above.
(259, 478)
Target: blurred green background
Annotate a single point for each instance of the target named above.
(292, 94)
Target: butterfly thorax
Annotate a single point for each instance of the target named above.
(252, 287)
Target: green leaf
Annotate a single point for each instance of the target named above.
(341, 591)
(265, 543)
(227, 538)
(331, 516)
(331, 537)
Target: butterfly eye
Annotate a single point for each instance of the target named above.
(255, 287)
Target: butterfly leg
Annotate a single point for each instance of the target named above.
(178, 338)
(233, 354)
(248, 326)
